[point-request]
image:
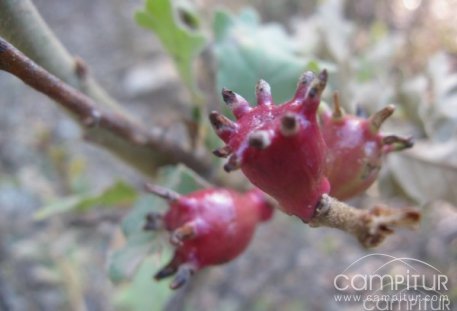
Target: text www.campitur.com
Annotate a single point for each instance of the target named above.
(348, 298)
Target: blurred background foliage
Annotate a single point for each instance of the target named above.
(71, 216)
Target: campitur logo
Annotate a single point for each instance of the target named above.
(384, 282)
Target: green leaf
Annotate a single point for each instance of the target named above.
(182, 43)
(247, 51)
(440, 115)
(134, 221)
(117, 194)
(140, 244)
(124, 262)
(143, 294)
(335, 30)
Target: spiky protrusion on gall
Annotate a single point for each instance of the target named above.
(356, 148)
(280, 149)
(207, 227)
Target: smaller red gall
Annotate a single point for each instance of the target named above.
(356, 148)
(207, 227)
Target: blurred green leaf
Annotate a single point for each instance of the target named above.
(378, 30)
(431, 101)
(124, 262)
(184, 180)
(134, 221)
(247, 51)
(179, 40)
(117, 194)
(335, 30)
(143, 294)
(440, 116)
(77, 176)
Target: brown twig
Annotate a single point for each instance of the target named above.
(145, 149)
(370, 227)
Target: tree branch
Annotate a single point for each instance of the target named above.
(127, 139)
(370, 227)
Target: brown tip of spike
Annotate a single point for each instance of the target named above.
(263, 87)
(303, 84)
(412, 218)
(164, 193)
(323, 76)
(219, 121)
(289, 125)
(306, 78)
(259, 139)
(167, 271)
(378, 118)
(183, 276)
(183, 233)
(263, 93)
(236, 102)
(154, 221)
(223, 152)
(318, 84)
(214, 118)
(337, 110)
(228, 96)
(232, 164)
(397, 143)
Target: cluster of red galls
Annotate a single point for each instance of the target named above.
(289, 152)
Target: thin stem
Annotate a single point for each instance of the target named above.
(142, 148)
(370, 227)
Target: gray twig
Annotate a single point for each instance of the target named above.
(142, 148)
